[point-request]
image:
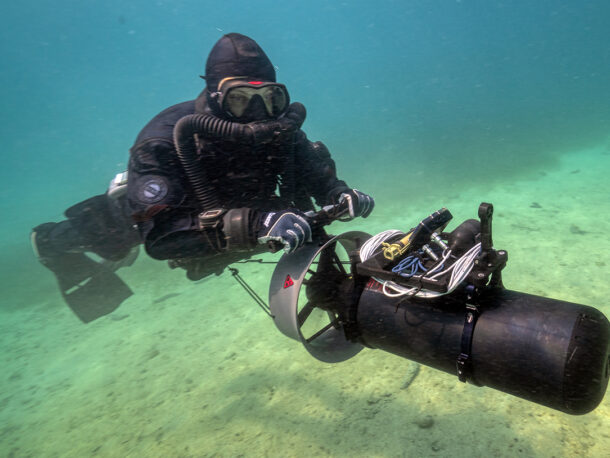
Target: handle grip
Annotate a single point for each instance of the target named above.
(274, 246)
(316, 220)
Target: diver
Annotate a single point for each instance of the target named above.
(210, 181)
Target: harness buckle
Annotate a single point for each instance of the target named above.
(210, 219)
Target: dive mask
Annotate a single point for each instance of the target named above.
(236, 95)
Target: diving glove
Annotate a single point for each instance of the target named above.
(289, 227)
(358, 203)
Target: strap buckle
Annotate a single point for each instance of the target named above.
(210, 219)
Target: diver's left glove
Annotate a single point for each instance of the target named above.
(358, 203)
(289, 227)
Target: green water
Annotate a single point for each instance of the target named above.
(423, 104)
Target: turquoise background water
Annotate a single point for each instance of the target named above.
(420, 102)
(474, 84)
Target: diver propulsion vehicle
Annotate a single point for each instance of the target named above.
(437, 298)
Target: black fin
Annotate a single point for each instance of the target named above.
(88, 287)
(97, 296)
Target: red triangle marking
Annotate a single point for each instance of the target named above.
(288, 282)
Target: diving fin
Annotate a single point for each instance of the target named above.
(97, 295)
(90, 289)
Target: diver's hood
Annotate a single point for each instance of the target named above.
(237, 55)
(202, 105)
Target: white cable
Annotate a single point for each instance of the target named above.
(368, 248)
(459, 269)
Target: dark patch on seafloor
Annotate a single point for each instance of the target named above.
(164, 298)
(574, 229)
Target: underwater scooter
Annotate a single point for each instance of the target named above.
(437, 298)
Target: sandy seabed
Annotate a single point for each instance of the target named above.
(197, 369)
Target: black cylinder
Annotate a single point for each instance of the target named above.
(551, 352)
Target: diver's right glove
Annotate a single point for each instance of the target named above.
(358, 203)
(289, 227)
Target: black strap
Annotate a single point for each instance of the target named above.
(464, 360)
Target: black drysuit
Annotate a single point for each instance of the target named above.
(286, 172)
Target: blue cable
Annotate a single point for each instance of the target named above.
(411, 266)
(411, 263)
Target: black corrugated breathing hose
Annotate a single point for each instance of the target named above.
(211, 127)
